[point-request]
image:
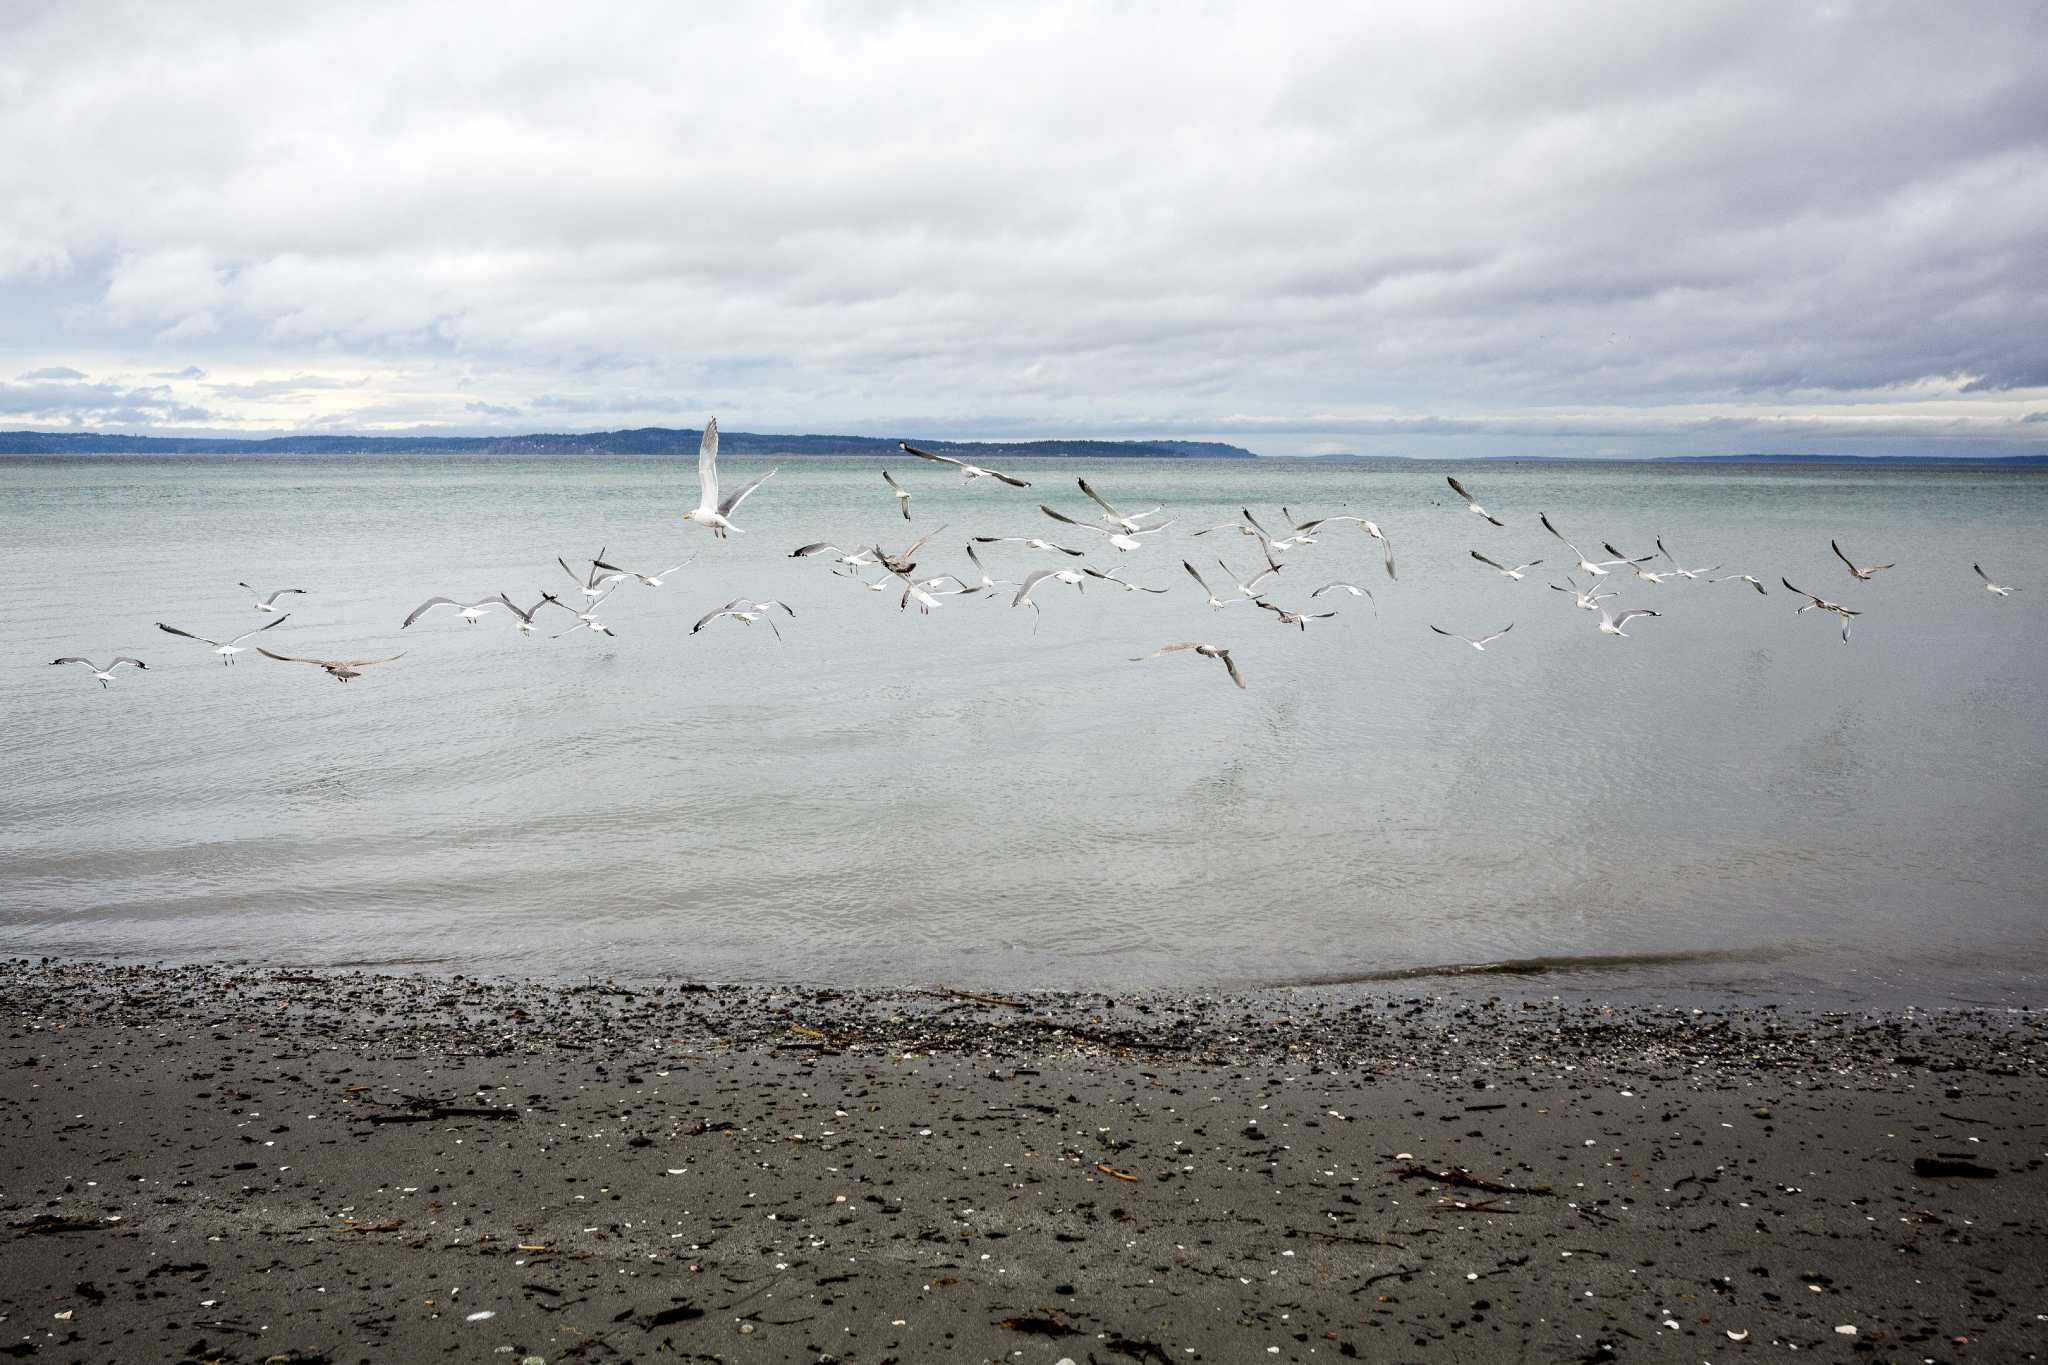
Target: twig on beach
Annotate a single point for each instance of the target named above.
(1464, 1179)
(1110, 1170)
(446, 1112)
(982, 999)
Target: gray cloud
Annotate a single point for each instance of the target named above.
(1692, 223)
(294, 386)
(52, 372)
(189, 372)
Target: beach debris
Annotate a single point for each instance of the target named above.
(681, 1312)
(1113, 1172)
(1465, 1180)
(1734, 1335)
(1039, 1327)
(482, 1315)
(65, 1222)
(1847, 1329)
(1944, 1166)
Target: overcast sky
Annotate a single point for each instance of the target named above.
(1429, 229)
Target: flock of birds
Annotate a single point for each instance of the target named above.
(899, 571)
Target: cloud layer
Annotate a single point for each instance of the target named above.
(1434, 229)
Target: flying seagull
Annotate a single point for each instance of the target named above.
(1474, 507)
(858, 559)
(227, 649)
(1482, 642)
(1815, 603)
(1861, 575)
(269, 603)
(1744, 578)
(651, 580)
(1351, 588)
(1109, 576)
(526, 614)
(471, 612)
(1370, 528)
(1295, 618)
(746, 613)
(1586, 599)
(587, 618)
(595, 584)
(1123, 540)
(1114, 517)
(1597, 570)
(987, 584)
(709, 511)
(1682, 573)
(341, 670)
(1611, 624)
(1206, 651)
(105, 675)
(967, 470)
(902, 564)
(1990, 587)
(902, 494)
(1214, 600)
(1503, 570)
(1037, 576)
(1033, 541)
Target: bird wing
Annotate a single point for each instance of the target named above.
(267, 625)
(295, 659)
(123, 659)
(1801, 591)
(1666, 553)
(1099, 500)
(1504, 630)
(74, 659)
(1231, 664)
(1544, 517)
(1031, 580)
(910, 449)
(1163, 649)
(892, 483)
(1632, 613)
(1492, 518)
(1978, 567)
(726, 508)
(1458, 488)
(1351, 588)
(1484, 560)
(186, 633)
(1441, 631)
(1061, 516)
(1197, 577)
(363, 663)
(815, 547)
(582, 580)
(1844, 558)
(707, 467)
(423, 608)
(279, 593)
(1253, 522)
(708, 617)
(1014, 483)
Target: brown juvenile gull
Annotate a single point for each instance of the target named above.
(1206, 651)
(341, 670)
(1860, 575)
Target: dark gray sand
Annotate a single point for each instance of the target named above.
(251, 1166)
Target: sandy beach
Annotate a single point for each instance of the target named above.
(210, 1164)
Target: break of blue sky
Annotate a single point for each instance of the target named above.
(1430, 229)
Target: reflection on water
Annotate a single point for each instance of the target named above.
(883, 797)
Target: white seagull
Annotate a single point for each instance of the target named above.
(1472, 506)
(269, 603)
(1351, 588)
(1482, 642)
(1370, 528)
(902, 494)
(471, 612)
(1033, 541)
(709, 511)
(595, 584)
(1682, 573)
(1597, 570)
(858, 559)
(1037, 576)
(1997, 588)
(746, 613)
(1114, 517)
(651, 580)
(1743, 578)
(1503, 570)
(1611, 624)
(1109, 576)
(1123, 540)
(587, 618)
(1206, 651)
(1214, 600)
(987, 584)
(967, 470)
(1586, 599)
(227, 649)
(526, 614)
(105, 675)
(1861, 575)
(1815, 603)
(341, 670)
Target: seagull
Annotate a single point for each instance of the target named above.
(746, 613)
(105, 675)
(1206, 651)
(1587, 599)
(1294, 618)
(1470, 505)
(341, 670)
(1033, 541)
(1745, 578)
(1682, 573)
(968, 470)
(1611, 624)
(858, 559)
(1037, 576)
(471, 611)
(595, 584)
(1370, 528)
(227, 649)
(709, 511)
(987, 584)
(526, 614)
(651, 580)
(1114, 517)
(902, 564)
(920, 592)
(1861, 575)
(1598, 570)
(1822, 604)
(1214, 600)
(1109, 576)
(1649, 576)
(1990, 587)
(1351, 588)
(1482, 642)
(269, 603)
(1123, 540)
(902, 494)
(1503, 570)
(1248, 587)
(587, 618)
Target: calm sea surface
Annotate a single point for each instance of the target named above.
(1732, 800)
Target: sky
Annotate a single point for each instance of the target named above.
(1430, 229)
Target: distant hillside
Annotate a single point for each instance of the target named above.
(645, 441)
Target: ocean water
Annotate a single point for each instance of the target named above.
(1731, 800)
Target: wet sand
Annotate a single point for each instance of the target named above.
(255, 1165)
